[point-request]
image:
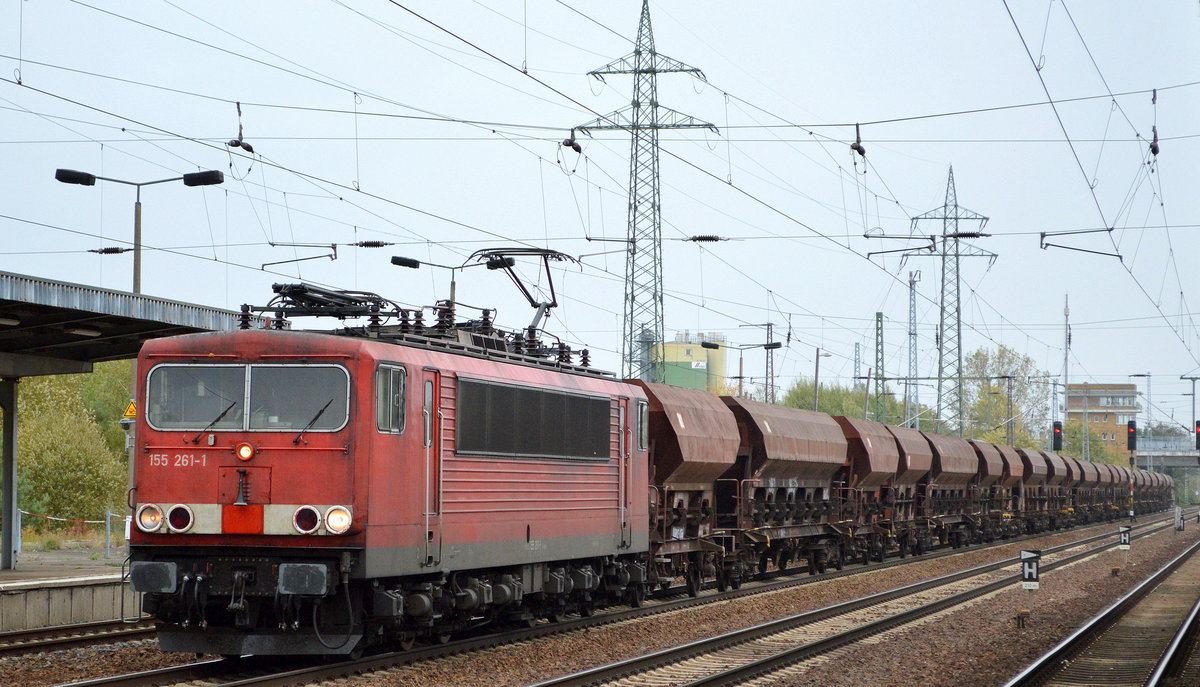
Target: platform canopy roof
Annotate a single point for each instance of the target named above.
(53, 327)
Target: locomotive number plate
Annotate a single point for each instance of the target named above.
(178, 460)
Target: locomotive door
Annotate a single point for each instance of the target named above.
(431, 428)
(624, 464)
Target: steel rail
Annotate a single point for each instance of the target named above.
(20, 642)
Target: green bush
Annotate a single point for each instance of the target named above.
(66, 468)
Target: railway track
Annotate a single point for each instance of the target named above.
(266, 671)
(782, 646)
(58, 637)
(1181, 661)
(1125, 644)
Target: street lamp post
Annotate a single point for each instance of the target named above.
(1149, 404)
(769, 346)
(817, 375)
(1193, 395)
(206, 178)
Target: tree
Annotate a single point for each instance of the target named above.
(66, 469)
(105, 394)
(848, 401)
(986, 387)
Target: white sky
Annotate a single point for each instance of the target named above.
(147, 90)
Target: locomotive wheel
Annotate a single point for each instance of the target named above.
(635, 595)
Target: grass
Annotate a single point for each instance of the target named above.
(56, 540)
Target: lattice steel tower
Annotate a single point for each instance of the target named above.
(642, 332)
(950, 402)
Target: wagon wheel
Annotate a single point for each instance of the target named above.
(693, 580)
(442, 638)
(405, 642)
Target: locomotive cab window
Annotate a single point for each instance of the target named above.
(196, 396)
(389, 398)
(248, 397)
(311, 397)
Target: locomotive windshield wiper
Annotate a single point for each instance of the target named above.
(312, 421)
(196, 439)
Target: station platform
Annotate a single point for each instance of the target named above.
(63, 587)
(34, 567)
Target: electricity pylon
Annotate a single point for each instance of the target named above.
(642, 332)
(950, 399)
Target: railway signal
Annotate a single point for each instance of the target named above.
(1056, 433)
(1131, 440)
(1030, 561)
(1198, 435)
(1123, 533)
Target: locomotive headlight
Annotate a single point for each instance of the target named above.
(306, 519)
(149, 518)
(179, 518)
(337, 519)
(244, 451)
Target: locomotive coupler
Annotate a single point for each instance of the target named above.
(237, 598)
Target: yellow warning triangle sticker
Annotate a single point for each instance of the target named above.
(130, 410)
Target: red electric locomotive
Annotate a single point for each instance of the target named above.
(302, 493)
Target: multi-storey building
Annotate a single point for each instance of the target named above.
(1105, 409)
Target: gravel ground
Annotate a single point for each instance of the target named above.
(969, 655)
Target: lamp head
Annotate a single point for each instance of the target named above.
(71, 176)
(405, 262)
(206, 178)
